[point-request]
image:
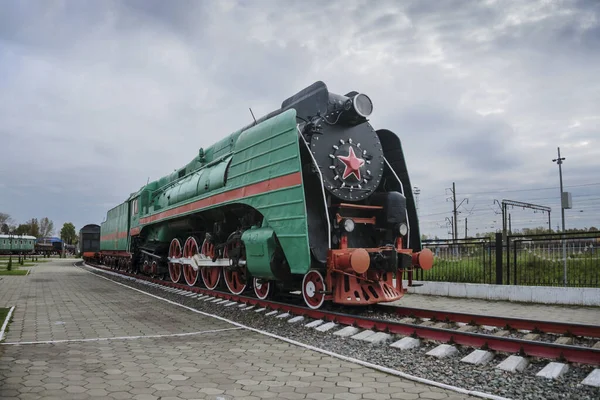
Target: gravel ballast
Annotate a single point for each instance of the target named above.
(450, 371)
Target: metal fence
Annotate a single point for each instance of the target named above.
(570, 259)
(554, 260)
(463, 260)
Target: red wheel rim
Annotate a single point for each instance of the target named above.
(190, 249)
(262, 289)
(236, 280)
(211, 276)
(312, 287)
(174, 268)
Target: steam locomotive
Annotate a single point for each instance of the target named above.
(309, 197)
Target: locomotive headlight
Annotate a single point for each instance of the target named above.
(403, 229)
(348, 225)
(362, 105)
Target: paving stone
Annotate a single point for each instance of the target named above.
(240, 364)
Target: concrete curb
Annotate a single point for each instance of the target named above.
(518, 293)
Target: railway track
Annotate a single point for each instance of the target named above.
(439, 326)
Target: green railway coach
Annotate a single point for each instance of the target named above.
(17, 244)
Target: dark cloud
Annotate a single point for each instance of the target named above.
(97, 98)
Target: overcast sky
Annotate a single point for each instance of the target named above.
(97, 97)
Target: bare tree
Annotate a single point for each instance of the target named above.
(46, 227)
(5, 223)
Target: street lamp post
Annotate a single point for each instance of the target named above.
(559, 161)
(10, 239)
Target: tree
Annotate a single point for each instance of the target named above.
(5, 223)
(46, 227)
(22, 229)
(34, 227)
(67, 233)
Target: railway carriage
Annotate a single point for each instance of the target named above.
(308, 197)
(17, 244)
(89, 242)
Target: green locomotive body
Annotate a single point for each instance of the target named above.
(258, 207)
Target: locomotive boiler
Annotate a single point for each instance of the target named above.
(309, 197)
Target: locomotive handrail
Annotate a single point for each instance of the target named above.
(406, 211)
(322, 187)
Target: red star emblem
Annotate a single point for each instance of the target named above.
(352, 164)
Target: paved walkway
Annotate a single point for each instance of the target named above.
(567, 313)
(72, 308)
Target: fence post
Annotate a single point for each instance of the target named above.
(498, 258)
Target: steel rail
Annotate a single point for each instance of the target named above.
(562, 328)
(574, 354)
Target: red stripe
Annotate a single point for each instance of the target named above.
(114, 235)
(134, 231)
(257, 188)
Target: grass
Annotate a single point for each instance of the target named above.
(3, 314)
(4, 264)
(530, 269)
(14, 272)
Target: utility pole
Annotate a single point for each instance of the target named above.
(455, 217)
(559, 161)
(564, 203)
(417, 192)
(455, 211)
(466, 230)
(509, 225)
